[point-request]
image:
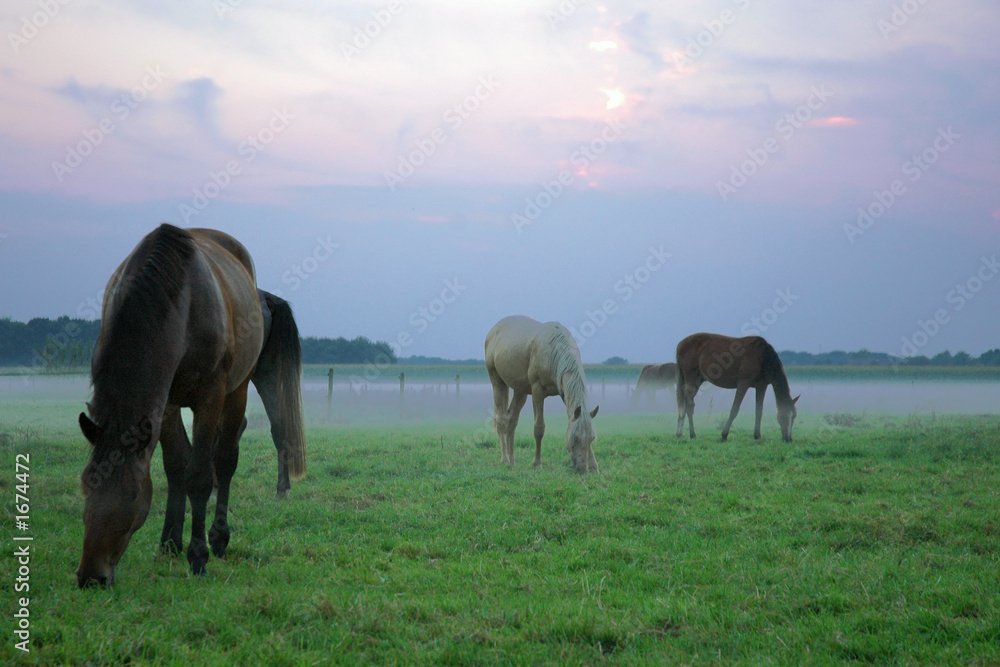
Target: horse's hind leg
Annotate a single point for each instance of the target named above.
(176, 450)
(227, 455)
(513, 416)
(267, 389)
(685, 407)
(501, 394)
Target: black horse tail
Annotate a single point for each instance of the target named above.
(283, 346)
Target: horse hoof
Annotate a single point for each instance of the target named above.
(219, 544)
(281, 494)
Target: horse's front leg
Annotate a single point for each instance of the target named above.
(537, 404)
(198, 474)
(176, 451)
(741, 391)
(760, 411)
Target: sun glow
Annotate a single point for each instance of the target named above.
(616, 97)
(603, 45)
(835, 121)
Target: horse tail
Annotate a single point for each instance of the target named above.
(287, 350)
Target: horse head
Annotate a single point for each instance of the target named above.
(580, 436)
(117, 489)
(787, 413)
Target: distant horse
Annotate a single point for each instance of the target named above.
(732, 363)
(539, 360)
(652, 378)
(181, 326)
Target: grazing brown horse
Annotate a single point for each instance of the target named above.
(732, 363)
(652, 378)
(539, 360)
(182, 325)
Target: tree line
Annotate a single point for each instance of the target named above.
(67, 343)
(867, 358)
(64, 342)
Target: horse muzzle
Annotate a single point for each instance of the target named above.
(91, 580)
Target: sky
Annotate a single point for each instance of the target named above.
(825, 175)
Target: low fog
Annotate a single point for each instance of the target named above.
(362, 403)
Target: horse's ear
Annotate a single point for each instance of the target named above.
(579, 411)
(593, 413)
(91, 431)
(796, 399)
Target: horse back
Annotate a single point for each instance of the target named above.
(724, 361)
(516, 353)
(228, 302)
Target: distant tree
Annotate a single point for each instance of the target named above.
(615, 361)
(47, 344)
(360, 350)
(990, 358)
(941, 359)
(961, 359)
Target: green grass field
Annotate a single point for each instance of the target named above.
(869, 539)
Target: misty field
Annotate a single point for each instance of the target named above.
(870, 538)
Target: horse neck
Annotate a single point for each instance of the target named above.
(133, 372)
(123, 405)
(573, 389)
(779, 381)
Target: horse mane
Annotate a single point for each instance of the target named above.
(565, 357)
(148, 289)
(774, 370)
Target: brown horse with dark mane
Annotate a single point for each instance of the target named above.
(182, 325)
(732, 363)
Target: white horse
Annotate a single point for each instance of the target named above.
(540, 360)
